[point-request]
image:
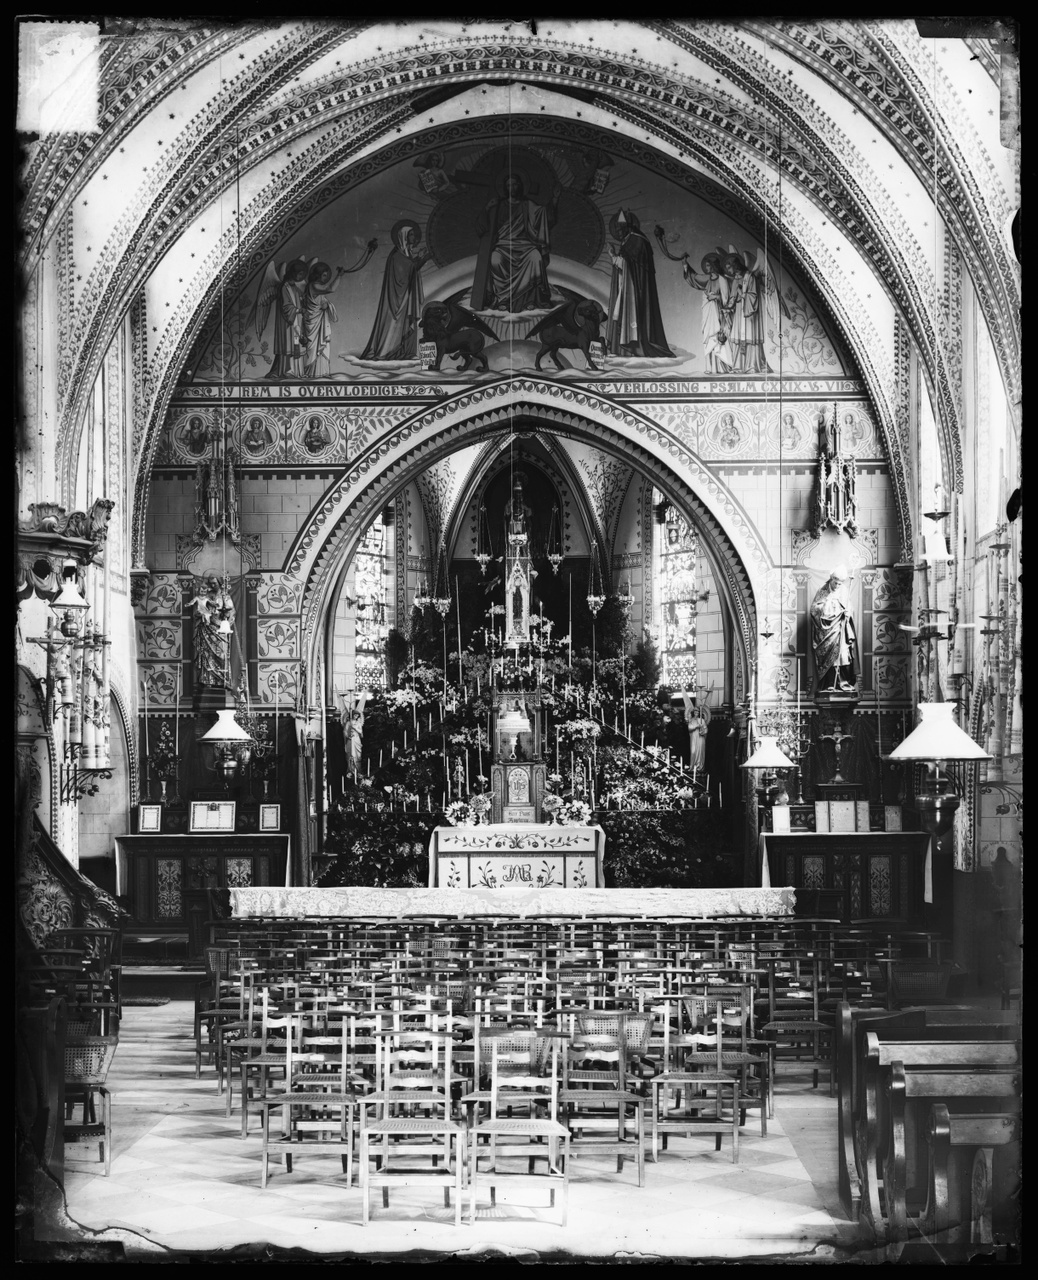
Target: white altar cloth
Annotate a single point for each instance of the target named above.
(399, 904)
(516, 855)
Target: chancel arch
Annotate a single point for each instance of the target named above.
(331, 537)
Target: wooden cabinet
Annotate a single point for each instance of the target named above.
(163, 875)
(882, 873)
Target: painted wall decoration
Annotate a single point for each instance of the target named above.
(480, 258)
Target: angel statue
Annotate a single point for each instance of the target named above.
(752, 290)
(281, 289)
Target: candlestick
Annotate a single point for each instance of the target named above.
(457, 602)
(176, 725)
(571, 619)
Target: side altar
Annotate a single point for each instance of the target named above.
(516, 855)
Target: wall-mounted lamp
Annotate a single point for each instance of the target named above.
(934, 741)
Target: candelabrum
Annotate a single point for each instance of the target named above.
(787, 726)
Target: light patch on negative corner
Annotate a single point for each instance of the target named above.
(58, 77)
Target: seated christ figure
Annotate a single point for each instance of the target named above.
(512, 266)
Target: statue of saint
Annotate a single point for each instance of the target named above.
(212, 644)
(833, 636)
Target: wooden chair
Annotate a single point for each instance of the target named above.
(741, 1053)
(523, 1072)
(694, 1093)
(87, 1062)
(597, 1103)
(318, 1109)
(413, 1095)
(794, 1023)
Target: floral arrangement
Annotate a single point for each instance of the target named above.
(551, 804)
(459, 814)
(573, 813)
(480, 806)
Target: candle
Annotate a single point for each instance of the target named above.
(457, 602)
(557, 769)
(720, 799)
(480, 745)
(477, 684)
(176, 725)
(430, 722)
(147, 751)
(380, 757)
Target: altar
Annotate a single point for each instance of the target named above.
(373, 903)
(517, 855)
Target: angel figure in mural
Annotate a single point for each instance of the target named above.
(752, 291)
(635, 325)
(214, 623)
(514, 250)
(319, 313)
(394, 335)
(716, 289)
(257, 437)
(281, 291)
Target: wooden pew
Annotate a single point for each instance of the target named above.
(939, 1023)
(966, 1196)
(851, 1025)
(888, 1149)
(914, 1093)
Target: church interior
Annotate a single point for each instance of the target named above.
(518, 643)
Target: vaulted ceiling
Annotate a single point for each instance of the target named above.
(870, 153)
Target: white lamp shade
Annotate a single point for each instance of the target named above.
(768, 756)
(226, 729)
(68, 597)
(938, 737)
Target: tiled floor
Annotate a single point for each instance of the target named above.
(184, 1182)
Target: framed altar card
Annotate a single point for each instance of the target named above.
(891, 817)
(843, 815)
(822, 816)
(212, 815)
(863, 815)
(780, 819)
(270, 817)
(149, 819)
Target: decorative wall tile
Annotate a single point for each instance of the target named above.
(163, 595)
(277, 683)
(890, 676)
(278, 593)
(160, 639)
(278, 638)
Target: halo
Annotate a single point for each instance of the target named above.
(507, 173)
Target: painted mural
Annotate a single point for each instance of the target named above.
(479, 259)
